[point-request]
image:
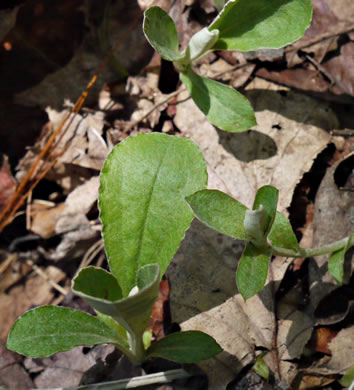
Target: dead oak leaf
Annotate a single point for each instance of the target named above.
(278, 151)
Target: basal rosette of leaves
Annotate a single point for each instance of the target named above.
(142, 193)
(152, 185)
(240, 25)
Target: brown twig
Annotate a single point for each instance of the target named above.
(44, 156)
(91, 253)
(29, 212)
(47, 278)
(7, 262)
(157, 105)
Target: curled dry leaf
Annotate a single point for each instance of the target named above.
(69, 220)
(341, 359)
(86, 150)
(342, 351)
(323, 336)
(45, 218)
(146, 96)
(84, 135)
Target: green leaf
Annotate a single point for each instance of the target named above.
(220, 212)
(147, 338)
(199, 45)
(258, 221)
(97, 282)
(133, 312)
(348, 379)
(281, 234)
(223, 106)
(261, 368)
(254, 224)
(336, 265)
(141, 198)
(268, 197)
(336, 261)
(185, 347)
(46, 330)
(254, 24)
(160, 31)
(116, 326)
(252, 270)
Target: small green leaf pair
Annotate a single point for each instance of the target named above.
(241, 25)
(227, 215)
(144, 215)
(266, 231)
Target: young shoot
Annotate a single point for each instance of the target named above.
(242, 25)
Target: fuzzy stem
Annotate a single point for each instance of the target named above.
(138, 349)
(310, 252)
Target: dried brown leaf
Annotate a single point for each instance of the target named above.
(278, 151)
(34, 292)
(7, 183)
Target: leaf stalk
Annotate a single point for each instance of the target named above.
(311, 252)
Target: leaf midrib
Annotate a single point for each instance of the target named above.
(147, 208)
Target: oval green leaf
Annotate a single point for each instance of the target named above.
(220, 212)
(160, 31)
(46, 330)
(252, 270)
(222, 105)
(282, 235)
(185, 347)
(141, 198)
(255, 24)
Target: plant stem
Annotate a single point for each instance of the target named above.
(160, 377)
(310, 252)
(126, 352)
(137, 352)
